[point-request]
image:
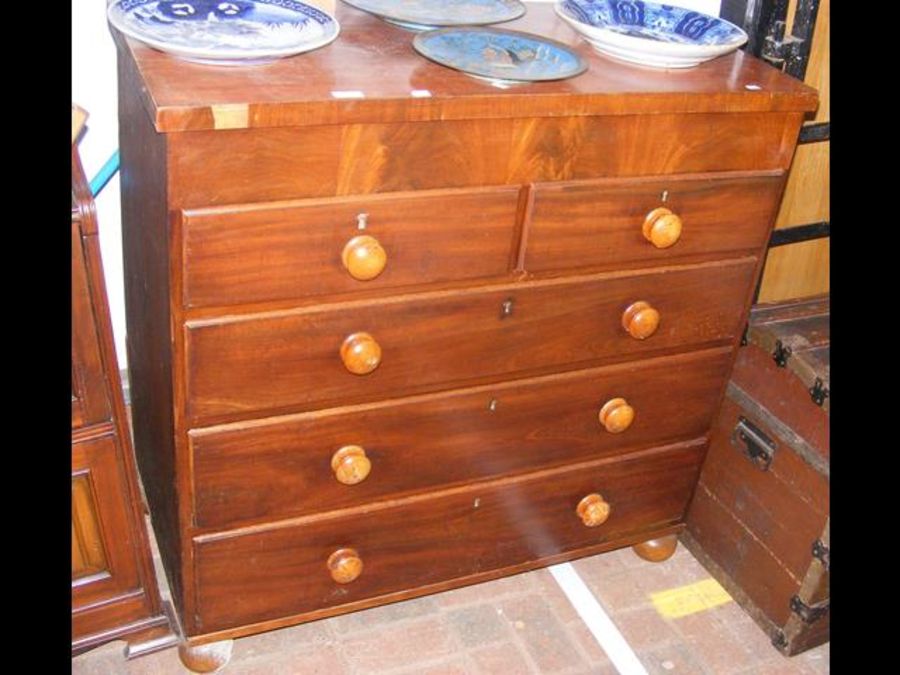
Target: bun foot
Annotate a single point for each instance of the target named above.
(207, 658)
(657, 550)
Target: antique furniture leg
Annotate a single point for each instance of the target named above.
(657, 550)
(207, 658)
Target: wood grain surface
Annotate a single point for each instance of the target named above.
(599, 223)
(460, 436)
(210, 168)
(437, 538)
(291, 250)
(306, 89)
(289, 361)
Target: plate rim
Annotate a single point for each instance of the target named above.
(670, 48)
(242, 55)
(441, 24)
(582, 63)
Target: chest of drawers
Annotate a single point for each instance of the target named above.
(394, 330)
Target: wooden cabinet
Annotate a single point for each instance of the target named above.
(435, 332)
(114, 593)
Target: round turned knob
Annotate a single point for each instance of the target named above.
(662, 228)
(360, 353)
(593, 510)
(616, 415)
(364, 257)
(345, 565)
(640, 320)
(350, 465)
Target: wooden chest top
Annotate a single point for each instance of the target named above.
(371, 73)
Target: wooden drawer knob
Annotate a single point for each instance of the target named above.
(640, 320)
(360, 353)
(662, 228)
(350, 465)
(363, 257)
(616, 415)
(593, 510)
(345, 565)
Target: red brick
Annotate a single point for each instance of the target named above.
(779, 666)
(351, 623)
(588, 643)
(301, 660)
(714, 645)
(618, 592)
(477, 625)
(455, 667)
(545, 638)
(554, 597)
(643, 628)
(108, 658)
(819, 658)
(745, 630)
(671, 658)
(686, 566)
(399, 644)
(604, 562)
(313, 634)
(467, 595)
(503, 658)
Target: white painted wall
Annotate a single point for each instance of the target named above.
(94, 88)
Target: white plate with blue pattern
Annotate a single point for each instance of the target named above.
(499, 56)
(225, 32)
(419, 15)
(651, 34)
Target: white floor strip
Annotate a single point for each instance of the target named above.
(597, 620)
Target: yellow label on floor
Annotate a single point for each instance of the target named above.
(684, 600)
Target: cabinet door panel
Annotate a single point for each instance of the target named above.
(90, 402)
(103, 561)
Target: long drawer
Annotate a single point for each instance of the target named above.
(240, 366)
(291, 250)
(600, 223)
(342, 458)
(243, 578)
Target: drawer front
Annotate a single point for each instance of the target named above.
(599, 224)
(286, 469)
(294, 250)
(245, 578)
(239, 367)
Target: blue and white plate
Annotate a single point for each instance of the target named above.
(500, 56)
(225, 32)
(651, 34)
(428, 14)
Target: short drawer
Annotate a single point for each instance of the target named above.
(288, 250)
(242, 578)
(600, 223)
(300, 360)
(339, 458)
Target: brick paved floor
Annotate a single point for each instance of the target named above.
(521, 624)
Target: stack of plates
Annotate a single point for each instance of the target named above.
(650, 34)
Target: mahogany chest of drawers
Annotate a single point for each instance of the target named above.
(394, 330)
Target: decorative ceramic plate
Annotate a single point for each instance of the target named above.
(225, 32)
(649, 33)
(428, 14)
(501, 56)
